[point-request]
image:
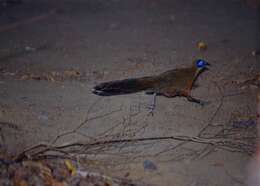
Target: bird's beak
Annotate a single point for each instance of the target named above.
(206, 67)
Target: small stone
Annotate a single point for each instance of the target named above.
(255, 53)
(43, 116)
(114, 26)
(244, 123)
(149, 165)
(172, 18)
(29, 49)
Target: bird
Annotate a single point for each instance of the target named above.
(172, 83)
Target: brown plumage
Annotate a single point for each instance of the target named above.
(176, 82)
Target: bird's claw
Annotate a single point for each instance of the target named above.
(200, 102)
(151, 109)
(203, 103)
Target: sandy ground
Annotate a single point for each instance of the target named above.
(53, 52)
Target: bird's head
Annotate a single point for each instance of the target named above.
(201, 64)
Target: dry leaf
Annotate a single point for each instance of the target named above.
(202, 46)
(52, 76)
(25, 77)
(71, 167)
(218, 164)
(72, 73)
(21, 183)
(18, 179)
(50, 181)
(53, 73)
(43, 168)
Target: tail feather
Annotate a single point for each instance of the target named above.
(125, 86)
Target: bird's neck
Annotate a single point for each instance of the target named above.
(197, 72)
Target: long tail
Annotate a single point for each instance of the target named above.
(125, 86)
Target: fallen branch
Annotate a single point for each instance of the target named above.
(43, 148)
(9, 125)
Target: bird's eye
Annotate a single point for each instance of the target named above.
(200, 63)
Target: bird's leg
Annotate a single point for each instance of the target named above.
(187, 94)
(152, 105)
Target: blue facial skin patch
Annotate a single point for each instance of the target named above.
(201, 63)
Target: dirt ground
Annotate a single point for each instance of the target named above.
(53, 52)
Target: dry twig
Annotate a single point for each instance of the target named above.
(44, 148)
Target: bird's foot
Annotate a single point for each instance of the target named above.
(151, 109)
(198, 101)
(203, 103)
